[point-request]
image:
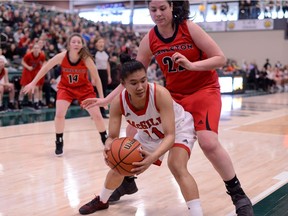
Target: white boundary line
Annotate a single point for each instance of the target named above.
(283, 179)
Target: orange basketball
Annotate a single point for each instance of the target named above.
(124, 151)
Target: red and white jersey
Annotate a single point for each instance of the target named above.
(73, 74)
(178, 79)
(148, 122)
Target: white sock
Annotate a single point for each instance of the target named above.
(194, 208)
(105, 194)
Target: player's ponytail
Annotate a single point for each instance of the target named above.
(181, 10)
(129, 66)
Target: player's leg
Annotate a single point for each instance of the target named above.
(205, 107)
(2, 109)
(11, 90)
(128, 185)
(177, 163)
(99, 122)
(59, 121)
(213, 150)
(100, 202)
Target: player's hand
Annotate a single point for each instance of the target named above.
(107, 148)
(181, 60)
(29, 88)
(144, 164)
(91, 102)
(109, 80)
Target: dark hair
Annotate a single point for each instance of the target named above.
(181, 9)
(129, 66)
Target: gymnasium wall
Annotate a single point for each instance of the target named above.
(253, 45)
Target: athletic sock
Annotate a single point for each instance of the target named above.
(194, 208)
(233, 184)
(103, 136)
(59, 137)
(105, 194)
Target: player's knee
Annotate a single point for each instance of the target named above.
(176, 168)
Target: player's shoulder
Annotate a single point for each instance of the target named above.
(161, 92)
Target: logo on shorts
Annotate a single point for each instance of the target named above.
(185, 141)
(200, 122)
(127, 114)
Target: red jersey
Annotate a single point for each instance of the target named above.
(73, 74)
(35, 62)
(2, 73)
(178, 79)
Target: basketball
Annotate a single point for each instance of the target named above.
(123, 152)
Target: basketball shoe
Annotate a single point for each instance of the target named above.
(128, 186)
(59, 148)
(242, 203)
(93, 206)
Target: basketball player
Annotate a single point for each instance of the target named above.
(32, 63)
(188, 56)
(6, 86)
(150, 109)
(74, 84)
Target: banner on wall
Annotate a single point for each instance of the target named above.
(239, 25)
(142, 28)
(250, 25)
(213, 26)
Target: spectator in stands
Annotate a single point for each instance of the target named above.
(224, 9)
(115, 72)
(278, 7)
(18, 34)
(75, 64)
(267, 64)
(252, 82)
(285, 8)
(279, 79)
(255, 9)
(6, 86)
(24, 42)
(12, 54)
(3, 57)
(9, 33)
(152, 72)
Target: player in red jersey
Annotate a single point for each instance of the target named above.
(75, 64)
(32, 63)
(188, 57)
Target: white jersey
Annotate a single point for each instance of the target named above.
(148, 122)
(101, 60)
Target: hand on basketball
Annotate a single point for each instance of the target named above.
(181, 60)
(107, 148)
(144, 164)
(92, 102)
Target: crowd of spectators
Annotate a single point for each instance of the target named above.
(252, 9)
(270, 78)
(23, 25)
